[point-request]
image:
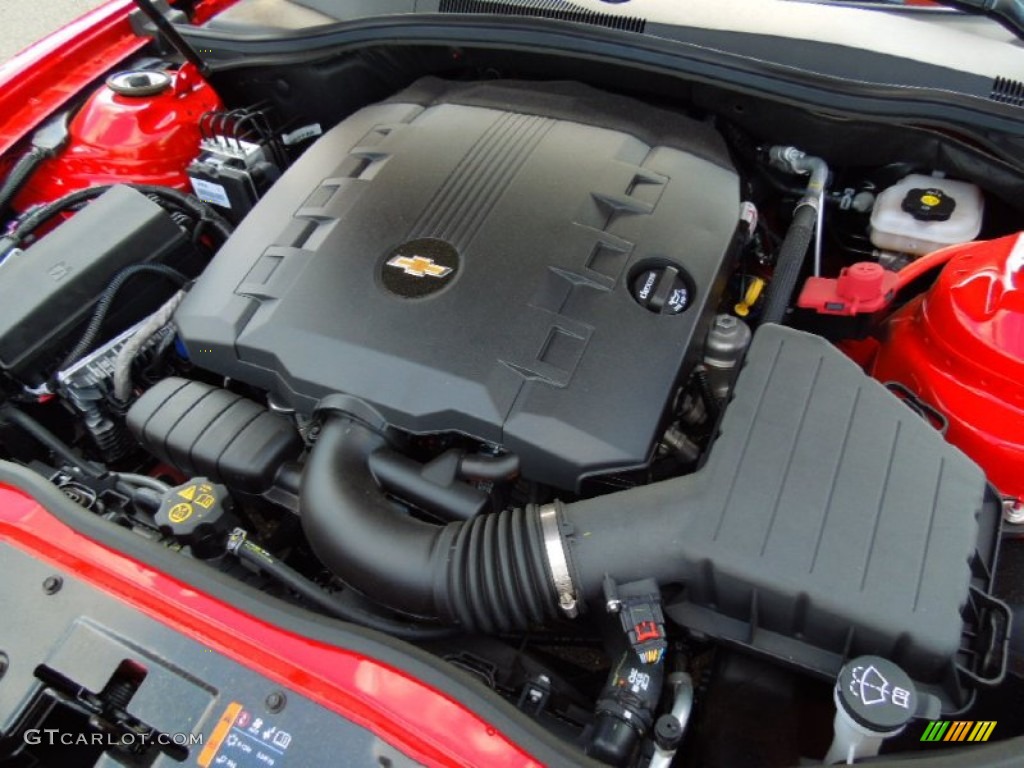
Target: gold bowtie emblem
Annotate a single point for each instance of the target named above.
(419, 266)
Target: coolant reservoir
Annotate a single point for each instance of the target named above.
(924, 213)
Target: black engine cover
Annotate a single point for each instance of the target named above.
(464, 258)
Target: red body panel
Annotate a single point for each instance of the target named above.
(417, 719)
(51, 73)
(47, 75)
(115, 138)
(960, 348)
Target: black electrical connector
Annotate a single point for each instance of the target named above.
(627, 706)
(638, 605)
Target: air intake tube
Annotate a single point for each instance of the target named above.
(498, 572)
(490, 574)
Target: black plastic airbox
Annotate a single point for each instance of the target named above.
(460, 258)
(832, 521)
(829, 521)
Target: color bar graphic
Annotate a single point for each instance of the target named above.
(959, 730)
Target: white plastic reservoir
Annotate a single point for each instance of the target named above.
(924, 213)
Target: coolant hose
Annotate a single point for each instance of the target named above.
(490, 573)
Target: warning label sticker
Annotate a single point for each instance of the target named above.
(243, 740)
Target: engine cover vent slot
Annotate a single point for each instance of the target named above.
(546, 9)
(1007, 91)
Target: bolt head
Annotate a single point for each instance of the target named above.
(1013, 511)
(275, 702)
(52, 584)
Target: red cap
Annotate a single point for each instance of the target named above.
(861, 288)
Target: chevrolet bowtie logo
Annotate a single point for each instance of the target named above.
(419, 266)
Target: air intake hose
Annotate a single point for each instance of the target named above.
(499, 572)
(489, 574)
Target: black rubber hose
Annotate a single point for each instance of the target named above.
(789, 264)
(53, 443)
(106, 300)
(491, 468)
(20, 173)
(488, 574)
(295, 581)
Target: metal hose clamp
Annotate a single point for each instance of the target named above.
(558, 563)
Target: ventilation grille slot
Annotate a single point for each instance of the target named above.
(545, 9)
(1007, 91)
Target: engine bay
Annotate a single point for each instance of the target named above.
(571, 377)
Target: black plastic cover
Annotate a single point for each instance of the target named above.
(204, 430)
(47, 291)
(460, 258)
(831, 521)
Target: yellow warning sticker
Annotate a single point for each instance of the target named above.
(180, 512)
(205, 500)
(188, 493)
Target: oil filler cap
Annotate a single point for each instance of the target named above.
(929, 204)
(197, 514)
(664, 290)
